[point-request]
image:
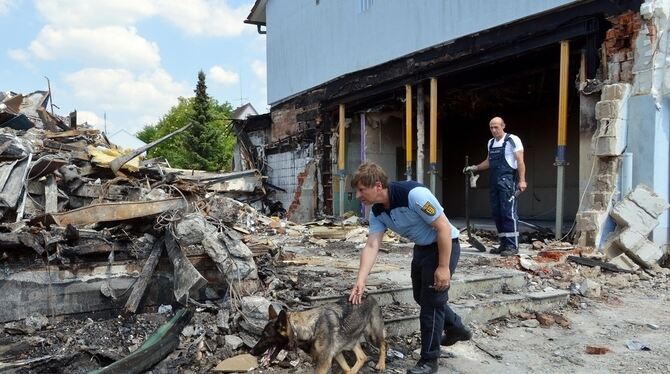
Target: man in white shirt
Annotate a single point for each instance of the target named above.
(508, 175)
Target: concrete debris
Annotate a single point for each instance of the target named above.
(636, 217)
(596, 350)
(238, 364)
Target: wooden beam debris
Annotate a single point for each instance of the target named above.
(141, 285)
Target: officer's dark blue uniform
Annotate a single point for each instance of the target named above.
(413, 208)
(502, 183)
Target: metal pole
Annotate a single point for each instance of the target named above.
(432, 169)
(408, 131)
(340, 157)
(51, 99)
(626, 174)
(420, 131)
(562, 134)
(363, 157)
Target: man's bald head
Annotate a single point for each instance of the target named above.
(497, 127)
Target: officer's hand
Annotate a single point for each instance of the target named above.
(469, 169)
(442, 278)
(357, 293)
(522, 186)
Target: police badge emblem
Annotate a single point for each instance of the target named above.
(429, 209)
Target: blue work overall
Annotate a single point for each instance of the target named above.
(502, 185)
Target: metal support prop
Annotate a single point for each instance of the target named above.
(408, 131)
(562, 134)
(420, 131)
(340, 157)
(433, 135)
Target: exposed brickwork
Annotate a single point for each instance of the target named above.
(619, 46)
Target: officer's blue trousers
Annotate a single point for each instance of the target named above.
(436, 316)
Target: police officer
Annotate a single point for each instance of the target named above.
(411, 210)
(508, 177)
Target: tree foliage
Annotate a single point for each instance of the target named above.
(207, 145)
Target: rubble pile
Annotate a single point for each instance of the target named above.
(89, 227)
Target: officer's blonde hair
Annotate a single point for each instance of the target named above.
(368, 174)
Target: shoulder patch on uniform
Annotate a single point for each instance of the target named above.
(429, 209)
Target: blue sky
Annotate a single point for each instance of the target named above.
(131, 59)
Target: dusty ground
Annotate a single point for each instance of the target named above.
(630, 307)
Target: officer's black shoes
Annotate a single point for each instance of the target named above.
(496, 250)
(510, 252)
(424, 366)
(460, 335)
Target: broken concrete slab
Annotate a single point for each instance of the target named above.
(648, 200)
(628, 214)
(483, 311)
(647, 254)
(237, 364)
(461, 285)
(255, 313)
(624, 262)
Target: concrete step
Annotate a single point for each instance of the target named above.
(485, 310)
(462, 285)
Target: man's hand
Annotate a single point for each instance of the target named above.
(357, 293)
(522, 186)
(469, 169)
(442, 278)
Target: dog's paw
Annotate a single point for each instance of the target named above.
(381, 366)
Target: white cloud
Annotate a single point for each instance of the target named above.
(77, 13)
(206, 17)
(107, 46)
(222, 76)
(91, 118)
(195, 17)
(18, 55)
(260, 69)
(117, 91)
(5, 5)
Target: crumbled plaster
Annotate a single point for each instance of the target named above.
(652, 59)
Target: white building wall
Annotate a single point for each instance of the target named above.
(284, 169)
(310, 42)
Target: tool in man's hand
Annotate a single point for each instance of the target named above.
(516, 194)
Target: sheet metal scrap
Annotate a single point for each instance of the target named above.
(107, 212)
(116, 164)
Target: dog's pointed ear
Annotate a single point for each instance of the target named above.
(283, 318)
(272, 313)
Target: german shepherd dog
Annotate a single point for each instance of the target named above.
(325, 332)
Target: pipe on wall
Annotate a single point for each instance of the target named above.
(433, 134)
(420, 130)
(340, 157)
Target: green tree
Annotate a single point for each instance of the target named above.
(202, 138)
(209, 147)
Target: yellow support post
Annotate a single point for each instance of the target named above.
(432, 169)
(408, 131)
(562, 133)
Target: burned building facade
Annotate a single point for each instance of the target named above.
(412, 86)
